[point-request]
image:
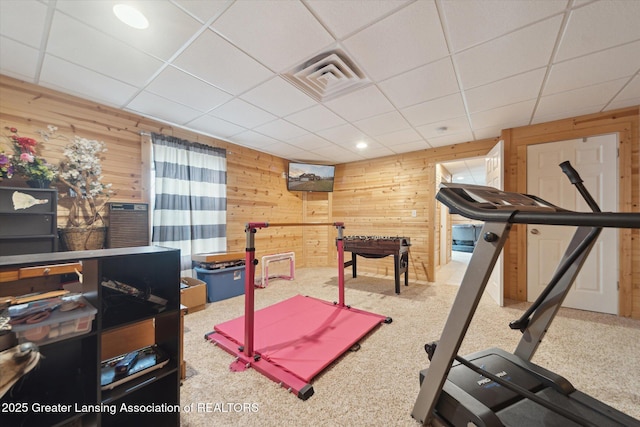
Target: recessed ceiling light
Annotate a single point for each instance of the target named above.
(131, 16)
(361, 145)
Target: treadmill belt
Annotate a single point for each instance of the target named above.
(530, 414)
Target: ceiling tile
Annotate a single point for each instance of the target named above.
(202, 10)
(407, 147)
(309, 142)
(79, 44)
(374, 153)
(422, 84)
(217, 61)
(629, 95)
(16, 16)
(519, 113)
(338, 153)
(311, 157)
(147, 104)
(513, 54)
(399, 137)
(278, 97)
(454, 126)
(346, 17)
(215, 127)
(504, 92)
(384, 123)
(181, 87)
(407, 39)
(70, 78)
(169, 26)
(472, 22)
(451, 139)
(254, 140)
(345, 135)
(491, 131)
(278, 34)
(18, 60)
(577, 102)
(362, 103)
(315, 118)
(595, 68)
(282, 149)
(280, 129)
(599, 25)
(242, 113)
(437, 110)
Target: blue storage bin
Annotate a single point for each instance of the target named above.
(222, 283)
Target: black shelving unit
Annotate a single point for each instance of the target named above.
(28, 229)
(68, 376)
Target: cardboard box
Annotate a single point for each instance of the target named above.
(194, 297)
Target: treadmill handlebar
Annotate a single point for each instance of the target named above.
(568, 170)
(488, 204)
(577, 181)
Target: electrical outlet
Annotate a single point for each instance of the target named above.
(414, 213)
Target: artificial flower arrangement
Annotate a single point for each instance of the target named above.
(26, 162)
(81, 171)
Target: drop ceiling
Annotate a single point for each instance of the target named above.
(432, 73)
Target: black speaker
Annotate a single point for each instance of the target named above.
(128, 225)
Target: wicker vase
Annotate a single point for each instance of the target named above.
(83, 238)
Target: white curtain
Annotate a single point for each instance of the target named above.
(190, 204)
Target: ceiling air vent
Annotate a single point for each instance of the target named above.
(327, 76)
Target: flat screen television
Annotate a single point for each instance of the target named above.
(310, 177)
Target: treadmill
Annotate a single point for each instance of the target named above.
(494, 387)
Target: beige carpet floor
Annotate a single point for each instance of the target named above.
(378, 385)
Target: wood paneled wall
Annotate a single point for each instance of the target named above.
(256, 189)
(377, 197)
(373, 197)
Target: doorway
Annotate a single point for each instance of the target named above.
(465, 171)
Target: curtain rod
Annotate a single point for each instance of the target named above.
(145, 133)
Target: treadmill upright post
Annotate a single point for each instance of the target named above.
(464, 306)
(340, 246)
(543, 316)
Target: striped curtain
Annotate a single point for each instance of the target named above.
(190, 206)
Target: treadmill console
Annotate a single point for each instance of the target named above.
(491, 198)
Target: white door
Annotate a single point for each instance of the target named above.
(495, 178)
(595, 159)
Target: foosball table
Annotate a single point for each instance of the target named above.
(380, 247)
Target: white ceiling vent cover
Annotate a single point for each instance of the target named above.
(327, 76)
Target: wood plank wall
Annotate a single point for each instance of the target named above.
(372, 197)
(376, 197)
(256, 188)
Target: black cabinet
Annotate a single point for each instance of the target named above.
(66, 386)
(28, 220)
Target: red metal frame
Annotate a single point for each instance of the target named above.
(245, 354)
